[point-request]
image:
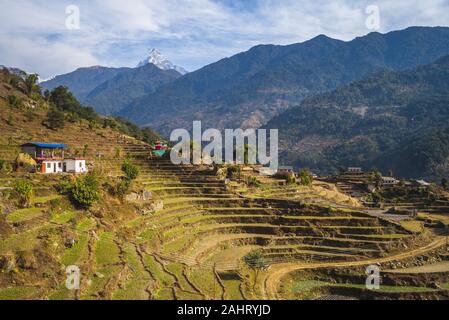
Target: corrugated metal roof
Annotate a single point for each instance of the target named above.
(46, 145)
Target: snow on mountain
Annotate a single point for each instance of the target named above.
(159, 60)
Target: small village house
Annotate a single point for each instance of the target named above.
(285, 171)
(389, 181)
(51, 158)
(354, 170)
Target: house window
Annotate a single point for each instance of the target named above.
(48, 165)
(59, 165)
(81, 164)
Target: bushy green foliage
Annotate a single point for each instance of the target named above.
(14, 101)
(256, 261)
(130, 129)
(393, 120)
(131, 171)
(253, 182)
(233, 172)
(55, 119)
(31, 83)
(5, 166)
(305, 177)
(24, 191)
(122, 187)
(64, 100)
(85, 191)
(64, 186)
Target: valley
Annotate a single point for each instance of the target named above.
(83, 190)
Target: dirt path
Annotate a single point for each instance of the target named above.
(277, 272)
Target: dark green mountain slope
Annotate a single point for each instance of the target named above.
(391, 120)
(250, 88)
(112, 95)
(83, 80)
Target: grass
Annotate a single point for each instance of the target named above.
(24, 215)
(106, 251)
(79, 251)
(134, 288)
(177, 269)
(17, 293)
(412, 226)
(97, 283)
(205, 280)
(45, 199)
(232, 289)
(63, 218)
(302, 286)
(20, 242)
(163, 277)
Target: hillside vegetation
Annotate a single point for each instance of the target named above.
(392, 120)
(248, 89)
(139, 227)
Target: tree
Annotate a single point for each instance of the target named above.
(24, 190)
(85, 192)
(131, 171)
(31, 83)
(255, 261)
(55, 119)
(64, 100)
(444, 183)
(377, 178)
(14, 101)
(233, 172)
(85, 150)
(305, 177)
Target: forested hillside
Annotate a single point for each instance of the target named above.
(392, 120)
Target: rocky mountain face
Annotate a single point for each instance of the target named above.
(156, 58)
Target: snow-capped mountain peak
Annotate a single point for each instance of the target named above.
(159, 60)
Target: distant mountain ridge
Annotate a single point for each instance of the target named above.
(250, 88)
(83, 80)
(393, 120)
(110, 96)
(108, 90)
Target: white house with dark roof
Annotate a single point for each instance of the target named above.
(50, 158)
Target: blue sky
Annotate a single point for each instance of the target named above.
(191, 33)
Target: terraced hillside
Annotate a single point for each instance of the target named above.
(193, 247)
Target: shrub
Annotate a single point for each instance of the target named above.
(14, 101)
(64, 186)
(290, 179)
(24, 190)
(29, 115)
(233, 172)
(31, 83)
(130, 170)
(122, 187)
(5, 166)
(305, 177)
(256, 261)
(85, 191)
(55, 119)
(85, 150)
(253, 182)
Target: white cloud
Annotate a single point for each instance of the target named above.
(191, 32)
